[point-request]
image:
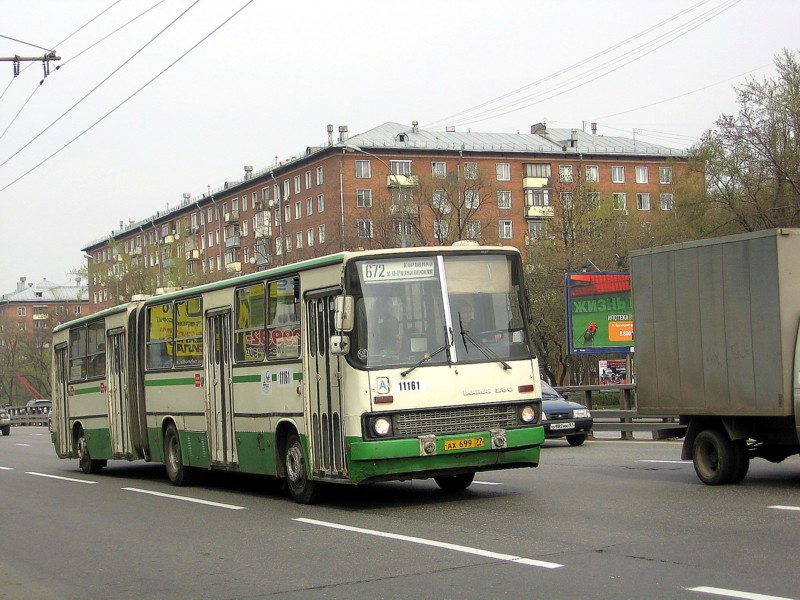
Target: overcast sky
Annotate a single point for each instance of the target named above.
(269, 80)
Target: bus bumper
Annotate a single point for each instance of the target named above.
(415, 458)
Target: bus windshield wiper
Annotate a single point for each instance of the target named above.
(487, 352)
(428, 357)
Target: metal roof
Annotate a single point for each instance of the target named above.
(48, 291)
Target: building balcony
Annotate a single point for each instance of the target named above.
(233, 267)
(136, 251)
(402, 180)
(535, 182)
(233, 241)
(539, 212)
(404, 210)
(41, 316)
(192, 255)
(232, 217)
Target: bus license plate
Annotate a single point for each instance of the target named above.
(464, 444)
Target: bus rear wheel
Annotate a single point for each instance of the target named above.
(179, 474)
(302, 489)
(454, 483)
(87, 464)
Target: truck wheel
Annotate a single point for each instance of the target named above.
(714, 457)
(454, 483)
(742, 461)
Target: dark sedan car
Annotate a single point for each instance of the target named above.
(563, 418)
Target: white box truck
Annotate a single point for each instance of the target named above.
(716, 342)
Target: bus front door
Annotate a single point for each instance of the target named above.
(219, 390)
(119, 412)
(61, 403)
(325, 395)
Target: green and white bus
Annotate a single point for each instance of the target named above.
(350, 368)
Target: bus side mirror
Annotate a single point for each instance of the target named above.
(344, 316)
(340, 344)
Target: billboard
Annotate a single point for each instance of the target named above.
(599, 313)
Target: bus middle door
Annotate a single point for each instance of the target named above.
(219, 389)
(118, 397)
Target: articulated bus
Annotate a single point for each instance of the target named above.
(351, 368)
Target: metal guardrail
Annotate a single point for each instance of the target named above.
(20, 416)
(625, 419)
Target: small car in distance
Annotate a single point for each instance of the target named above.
(5, 420)
(563, 418)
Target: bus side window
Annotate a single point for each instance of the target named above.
(77, 353)
(283, 333)
(249, 333)
(159, 336)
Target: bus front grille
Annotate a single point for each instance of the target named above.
(456, 420)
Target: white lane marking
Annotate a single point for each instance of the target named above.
(734, 593)
(6, 468)
(781, 507)
(668, 462)
(26, 445)
(415, 540)
(59, 477)
(486, 483)
(185, 499)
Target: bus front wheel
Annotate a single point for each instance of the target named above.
(302, 489)
(454, 483)
(179, 474)
(87, 464)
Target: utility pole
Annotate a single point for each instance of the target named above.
(17, 59)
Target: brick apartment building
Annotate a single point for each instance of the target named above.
(392, 186)
(42, 306)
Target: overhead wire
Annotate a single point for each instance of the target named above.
(118, 106)
(605, 68)
(109, 76)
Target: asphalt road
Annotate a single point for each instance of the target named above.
(609, 519)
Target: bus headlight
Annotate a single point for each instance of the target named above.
(382, 426)
(527, 414)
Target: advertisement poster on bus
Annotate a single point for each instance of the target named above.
(599, 313)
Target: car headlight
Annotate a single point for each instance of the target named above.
(581, 413)
(382, 426)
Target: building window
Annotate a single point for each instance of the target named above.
(505, 230)
(440, 202)
(308, 180)
(667, 203)
(402, 196)
(286, 189)
(297, 184)
(643, 201)
(364, 227)
(364, 198)
(209, 219)
(537, 197)
(321, 230)
(538, 170)
(472, 199)
(504, 199)
(665, 175)
(287, 213)
(298, 239)
(321, 203)
(567, 200)
(20, 311)
(592, 174)
(470, 170)
(278, 246)
(288, 242)
(617, 174)
(439, 170)
(593, 200)
(440, 229)
(503, 172)
(298, 210)
(473, 230)
(400, 167)
(565, 173)
(537, 230)
(309, 207)
(363, 169)
(620, 201)
(310, 236)
(642, 175)
(319, 176)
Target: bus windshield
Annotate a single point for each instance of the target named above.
(437, 309)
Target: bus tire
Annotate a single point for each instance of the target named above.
(179, 474)
(302, 489)
(714, 457)
(87, 464)
(454, 483)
